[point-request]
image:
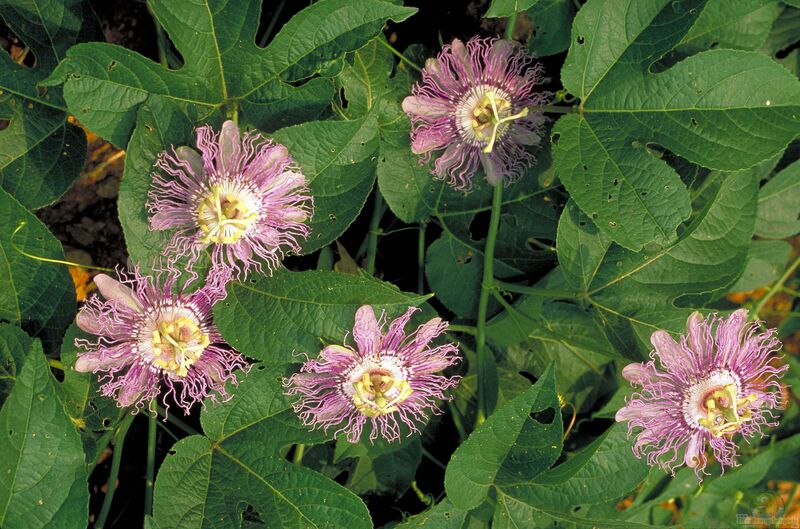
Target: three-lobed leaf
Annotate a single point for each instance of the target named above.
(633, 294)
(271, 318)
(698, 109)
(43, 468)
(209, 481)
(338, 163)
(104, 85)
(510, 447)
(40, 152)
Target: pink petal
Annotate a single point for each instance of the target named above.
(637, 373)
(695, 452)
(425, 106)
(637, 410)
(102, 360)
(492, 169)
(87, 321)
(114, 290)
(366, 331)
(430, 139)
(668, 350)
(461, 54)
(338, 354)
(191, 157)
(229, 144)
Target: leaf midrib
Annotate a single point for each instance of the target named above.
(260, 478)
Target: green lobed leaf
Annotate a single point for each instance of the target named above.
(381, 467)
(511, 446)
(14, 344)
(506, 8)
(40, 153)
(337, 159)
(581, 247)
(697, 109)
(366, 85)
(513, 514)
(38, 295)
(634, 294)
(454, 271)
(785, 32)
(270, 318)
(766, 261)
(551, 21)
(779, 205)
(742, 25)
(443, 515)
(43, 469)
(535, 335)
(104, 85)
(160, 126)
(605, 470)
(209, 481)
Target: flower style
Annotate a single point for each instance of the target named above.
(150, 337)
(472, 102)
(243, 196)
(717, 381)
(389, 377)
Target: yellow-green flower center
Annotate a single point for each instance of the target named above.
(224, 217)
(725, 412)
(178, 344)
(377, 392)
(491, 117)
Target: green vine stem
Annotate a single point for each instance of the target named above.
(421, 259)
(111, 486)
(487, 284)
(398, 54)
(299, 450)
(374, 231)
(150, 476)
(776, 288)
(177, 422)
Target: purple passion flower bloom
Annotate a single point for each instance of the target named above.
(716, 382)
(388, 378)
(150, 338)
(472, 102)
(242, 196)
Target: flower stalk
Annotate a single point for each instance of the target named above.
(487, 284)
(116, 459)
(150, 476)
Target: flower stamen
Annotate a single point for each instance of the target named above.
(224, 218)
(177, 345)
(726, 413)
(377, 392)
(494, 120)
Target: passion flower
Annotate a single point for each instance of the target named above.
(388, 379)
(151, 339)
(473, 102)
(718, 381)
